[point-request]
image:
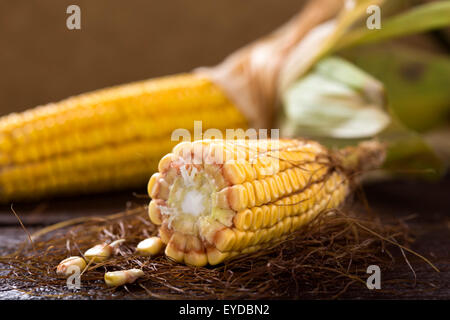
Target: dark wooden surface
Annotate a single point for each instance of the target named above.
(429, 202)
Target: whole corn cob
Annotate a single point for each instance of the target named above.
(105, 139)
(216, 199)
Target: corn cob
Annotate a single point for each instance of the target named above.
(105, 139)
(243, 196)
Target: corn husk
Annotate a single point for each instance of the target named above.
(336, 99)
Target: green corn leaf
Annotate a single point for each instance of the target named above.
(340, 33)
(332, 101)
(439, 140)
(409, 155)
(422, 18)
(416, 81)
(339, 104)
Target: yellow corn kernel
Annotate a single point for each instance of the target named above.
(154, 213)
(195, 252)
(119, 278)
(257, 218)
(69, 265)
(102, 252)
(243, 220)
(150, 246)
(224, 239)
(215, 256)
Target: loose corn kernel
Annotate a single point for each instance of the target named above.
(101, 252)
(150, 246)
(119, 278)
(66, 267)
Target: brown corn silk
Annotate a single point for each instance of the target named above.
(217, 199)
(322, 259)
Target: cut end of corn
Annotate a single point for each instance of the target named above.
(241, 197)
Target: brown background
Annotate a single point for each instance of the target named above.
(119, 41)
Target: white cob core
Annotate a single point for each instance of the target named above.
(190, 200)
(193, 202)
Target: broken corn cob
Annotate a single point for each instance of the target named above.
(105, 139)
(239, 196)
